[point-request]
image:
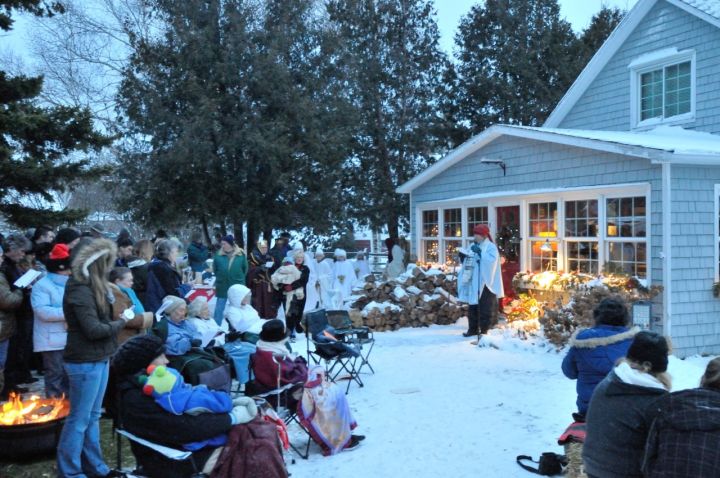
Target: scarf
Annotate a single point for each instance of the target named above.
(277, 348)
(632, 376)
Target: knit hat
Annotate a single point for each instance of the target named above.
(230, 239)
(611, 311)
(59, 259)
(67, 235)
(482, 230)
(651, 348)
(124, 242)
(273, 331)
(137, 353)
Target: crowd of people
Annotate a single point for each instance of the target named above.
(634, 425)
(101, 311)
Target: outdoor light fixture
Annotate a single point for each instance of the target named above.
(641, 314)
(546, 247)
(499, 162)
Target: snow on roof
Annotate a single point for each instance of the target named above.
(711, 7)
(673, 139)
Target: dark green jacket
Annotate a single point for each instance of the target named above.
(229, 269)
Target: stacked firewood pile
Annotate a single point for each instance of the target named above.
(415, 299)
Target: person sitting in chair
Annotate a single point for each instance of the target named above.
(144, 418)
(240, 314)
(328, 420)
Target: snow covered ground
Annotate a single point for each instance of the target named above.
(439, 407)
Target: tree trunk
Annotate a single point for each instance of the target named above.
(238, 228)
(393, 225)
(267, 235)
(251, 234)
(206, 232)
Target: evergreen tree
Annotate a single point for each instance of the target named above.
(393, 68)
(516, 59)
(233, 109)
(39, 146)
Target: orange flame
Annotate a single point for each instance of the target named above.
(34, 410)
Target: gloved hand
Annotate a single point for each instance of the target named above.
(476, 248)
(195, 343)
(244, 411)
(232, 336)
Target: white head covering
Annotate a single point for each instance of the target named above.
(319, 251)
(340, 253)
(298, 246)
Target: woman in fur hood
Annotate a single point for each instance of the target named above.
(594, 352)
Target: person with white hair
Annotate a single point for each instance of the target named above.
(344, 278)
(207, 329)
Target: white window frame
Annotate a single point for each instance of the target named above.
(716, 228)
(422, 238)
(655, 61)
(599, 193)
(558, 239)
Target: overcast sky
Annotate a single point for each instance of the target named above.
(449, 12)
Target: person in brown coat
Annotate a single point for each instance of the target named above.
(10, 300)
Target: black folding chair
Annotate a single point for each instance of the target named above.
(279, 398)
(362, 337)
(338, 356)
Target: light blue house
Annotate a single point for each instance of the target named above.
(623, 176)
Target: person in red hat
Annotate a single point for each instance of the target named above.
(50, 328)
(485, 287)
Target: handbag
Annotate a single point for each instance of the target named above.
(550, 464)
(218, 378)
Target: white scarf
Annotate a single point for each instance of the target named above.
(632, 376)
(277, 348)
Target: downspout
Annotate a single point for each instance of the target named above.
(667, 248)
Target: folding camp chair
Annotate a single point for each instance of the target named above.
(274, 398)
(359, 336)
(337, 355)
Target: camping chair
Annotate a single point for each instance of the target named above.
(279, 398)
(337, 355)
(358, 336)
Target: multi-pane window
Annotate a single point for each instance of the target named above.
(626, 217)
(431, 251)
(627, 258)
(582, 256)
(430, 224)
(666, 92)
(431, 235)
(543, 256)
(452, 222)
(476, 216)
(581, 218)
(543, 219)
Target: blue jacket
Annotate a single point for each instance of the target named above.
(179, 337)
(50, 329)
(592, 355)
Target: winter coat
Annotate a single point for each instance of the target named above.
(242, 318)
(163, 280)
(266, 370)
(139, 268)
(684, 440)
(198, 255)
(618, 422)
(49, 330)
(138, 325)
(180, 337)
(486, 273)
(92, 333)
(593, 354)
(229, 269)
(253, 450)
(141, 416)
(10, 300)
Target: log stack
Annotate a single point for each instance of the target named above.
(415, 299)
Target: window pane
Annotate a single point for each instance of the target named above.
(584, 224)
(627, 258)
(451, 254)
(476, 216)
(626, 217)
(430, 224)
(431, 251)
(452, 222)
(541, 260)
(583, 257)
(543, 219)
(677, 89)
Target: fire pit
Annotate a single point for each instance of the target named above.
(31, 427)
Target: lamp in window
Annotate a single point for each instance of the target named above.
(546, 247)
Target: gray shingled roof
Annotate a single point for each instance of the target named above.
(711, 7)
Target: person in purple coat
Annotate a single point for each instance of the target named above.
(594, 352)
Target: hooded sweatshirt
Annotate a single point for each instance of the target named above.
(242, 317)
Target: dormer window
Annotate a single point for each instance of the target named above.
(663, 85)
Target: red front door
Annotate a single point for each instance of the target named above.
(508, 242)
